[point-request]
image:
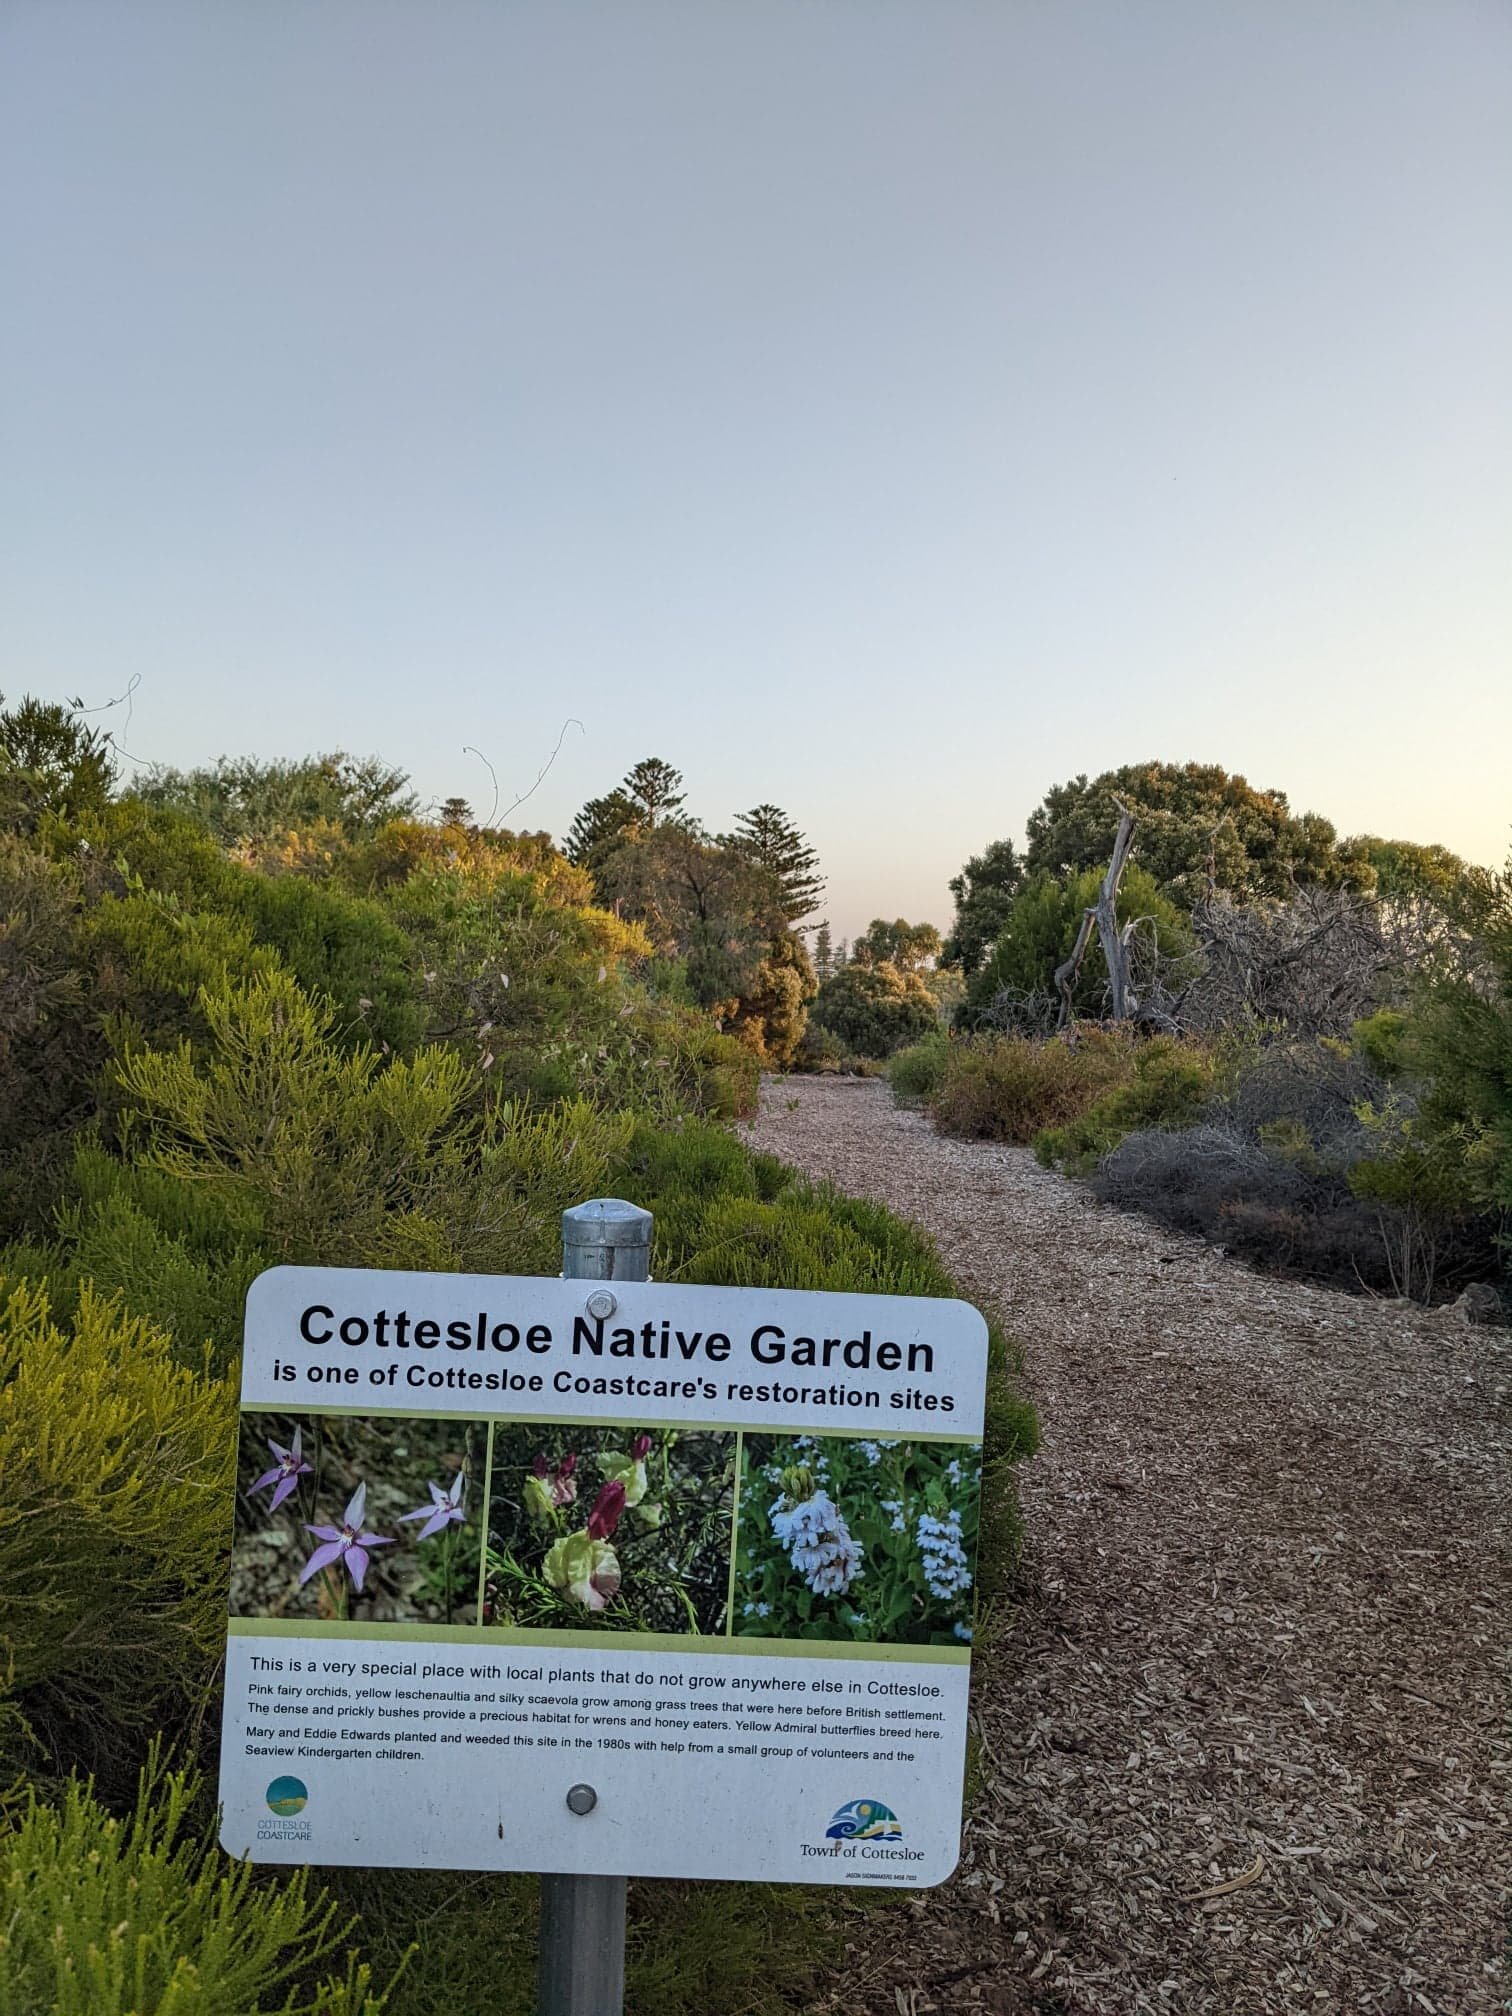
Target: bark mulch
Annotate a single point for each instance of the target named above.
(1246, 1732)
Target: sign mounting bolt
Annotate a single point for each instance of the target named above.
(602, 1305)
(581, 1799)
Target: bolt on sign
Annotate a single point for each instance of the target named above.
(628, 1578)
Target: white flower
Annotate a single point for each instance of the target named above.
(818, 1541)
(941, 1554)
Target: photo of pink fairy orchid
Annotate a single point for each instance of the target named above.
(355, 1519)
(645, 1547)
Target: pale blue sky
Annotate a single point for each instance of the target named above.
(883, 409)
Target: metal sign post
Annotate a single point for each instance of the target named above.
(582, 1934)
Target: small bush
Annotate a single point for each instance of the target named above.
(1170, 1085)
(1010, 1088)
(330, 1159)
(108, 1917)
(915, 1074)
(113, 1523)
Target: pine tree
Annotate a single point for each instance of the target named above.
(824, 952)
(770, 841)
(655, 789)
(603, 825)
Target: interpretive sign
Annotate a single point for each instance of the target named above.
(699, 1557)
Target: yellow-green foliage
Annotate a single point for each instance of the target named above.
(117, 1465)
(329, 1157)
(101, 1916)
(1168, 1085)
(915, 1074)
(1010, 1088)
(532, 1166)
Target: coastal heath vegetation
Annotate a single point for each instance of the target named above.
(1313, 1059)
(258, 1012)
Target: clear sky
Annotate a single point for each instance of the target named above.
(885, 409)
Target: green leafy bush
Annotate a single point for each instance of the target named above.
(916, 1074)
(1170, 1084)
(875, 1010)
(117, 1464)
(1420, 1184)
(50, 1046)
(140, 1916)
(327, 1158)
(1011, 1088)
(1039, 934)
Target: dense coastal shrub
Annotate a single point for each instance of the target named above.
(319, 1155)
(1011, 1088)
(108, 1916)
(117, 1464)
(1169, 1085)
(915, 1073)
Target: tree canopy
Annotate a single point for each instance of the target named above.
(50, 761)
(247, 798)
(1191, 818)
(984, 892)
(898, 943)
(768, 838)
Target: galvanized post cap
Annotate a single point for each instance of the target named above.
(606, 1221)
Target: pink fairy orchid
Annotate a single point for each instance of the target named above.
(346, 1543)
(445, 1508)
(285, 1474)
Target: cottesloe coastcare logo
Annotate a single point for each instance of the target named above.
(287, 1796)
(286, 1799)
(864, 1820)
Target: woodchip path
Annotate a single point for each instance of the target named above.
(1246, 1730)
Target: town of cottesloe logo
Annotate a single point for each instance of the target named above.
(864, 1820)
(286, 1797)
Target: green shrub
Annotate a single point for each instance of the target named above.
(339, 946)
(1420, 1183)
(532, 1165)
(875, 1010)
(162, 1247)
(1171, 1082)
(118, 1468)
(1383, 1040)
(821, 1051)
(327, 1158)
(50, 1046)
(142, 1917)
(1041, 929)
(915, 1074)
(1463, 1043)
(1011, 1088)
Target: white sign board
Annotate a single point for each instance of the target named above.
(706, 1551)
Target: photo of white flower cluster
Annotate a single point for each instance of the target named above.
(856, 1538)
